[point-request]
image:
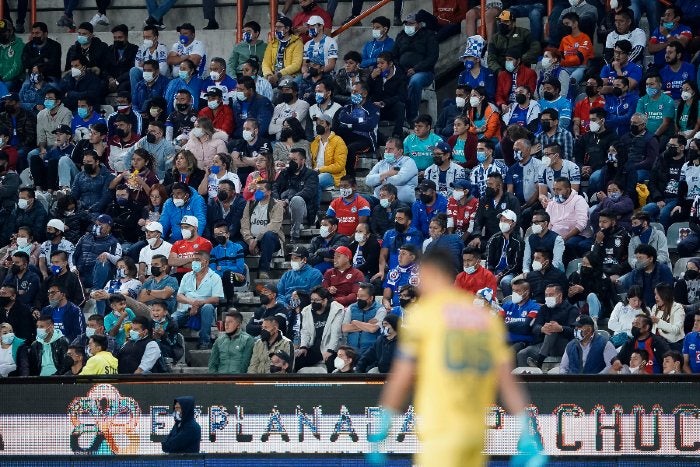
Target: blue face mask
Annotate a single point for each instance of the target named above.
(651, 92)
(468, 65)
(183, 74)
(82, 40)
(320, 98)
(122, 201)
(248, 37)
(385, 73)
(82, 112)
(481, 156)
(355, 98)
(669, 25)
(134, 335)
(279, 35)
(49, 103)
(615, 196)
(214, 169)
(313, 32)
(196, 266)
(389, 157)
(259, 195)
(55, 270)
(184, 39)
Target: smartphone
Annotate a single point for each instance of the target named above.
(397, 168)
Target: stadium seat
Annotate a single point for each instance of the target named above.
(679, 267)
(658, 226)
(603, 333)
(572, 267)
(526, 370)
(673, 234)
(313, 369)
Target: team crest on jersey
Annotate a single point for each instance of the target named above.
(348, 276)
(523, 314)
(413, 281)
(394, 275)
(618, 242)
(354, 209)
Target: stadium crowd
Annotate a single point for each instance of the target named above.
(563, 178)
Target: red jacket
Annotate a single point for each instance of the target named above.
(223, 120)
(346, 283)
(450, 11)
(504, 83)
(477, 281)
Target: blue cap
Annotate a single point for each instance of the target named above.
(443, 146)
(462, 183)
(104, 219)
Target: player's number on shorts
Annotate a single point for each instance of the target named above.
(467, 352)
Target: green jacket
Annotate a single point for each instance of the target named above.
(519, 39)
(231, 355)
(242, 52)
(11, 60)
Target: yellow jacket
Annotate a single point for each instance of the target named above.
(102, 363)
(293, 55)
(333, 159)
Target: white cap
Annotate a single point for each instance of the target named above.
(189, 220)
(155, 226)
(510, 215)
(315, 20)
(56, 224)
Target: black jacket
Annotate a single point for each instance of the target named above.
(659, 346)
(390, 91)
(380, 355)
(20, 318)
(49, 55)
(35, 218)
(321, 248)
(382, 219)
(24, 125)
(564, 314)
(487, 216)
(118, 66)
(539, 280)
(215, 213)
(88, 86)
(254, 326)
(665, 170)
(601, 286)
(59, 347)
(97, 55)
(186, 434)
(613, 251)
(514, 253)
(592, 148)
(370, 253)
(22, 361)
(304, 184)
(419, 51)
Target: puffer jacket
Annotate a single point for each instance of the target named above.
(231, 355)
(362, 340)
(332, 336)
(334, 158)
(89, 248)
(93, 193)
(293, 55)
(321, 248)
(172, 215)
(305, 278)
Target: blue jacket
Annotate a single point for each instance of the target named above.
(362, 120)
(647, 282)
(421, 216)
(215, 213)
(259, 108)
(186, 434)
(363, 340)
(69, 319)
(305, 278)
(176, 84)
(372, 49)
(519, 320)
(452, 243)
(620, 111)
(93, 193)
(595, 363)
(144, 93)
(228, 257)
(89, 248)
(393, 240)
(172, 215)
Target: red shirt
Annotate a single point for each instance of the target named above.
(477, 281)
(223, 120)
(462, 215)
(348, 214)
(524, 76)
(583, 109)
(302, 17)
(347, 284)
(187, 249)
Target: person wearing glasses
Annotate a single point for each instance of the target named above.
(620, 66)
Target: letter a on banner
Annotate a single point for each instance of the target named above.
(274, 427)
(344, 426)
(408, 426)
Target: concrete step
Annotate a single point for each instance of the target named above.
(198, 358)
(195, 370)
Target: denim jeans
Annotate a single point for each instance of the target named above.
(594, 305)
(207, 313)
(135, 75)
(157, 11)
(534, 12)
(269, 244)
(416, 83)
(67, 171)
(68, 7)
(651, 8)
(504, 284)
(595, 181)
(576, 247)
(662, 215)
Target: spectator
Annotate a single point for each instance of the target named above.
(440, 239)
(583, 111)
(181, 120)
(349, 76)
(63, 276)
(396, 169)
(95, 251)
(405, 273)
(310, 9)
(23, 279)
(292, 136)
(659, 109)
(365, 251)
(159, 286)
(474, 74)
(21, 124)
(264, 171)
(53, 360)
(387, 88)
(220, 170)
(621, 67)
(101, 361)
(461, 209)
(443, 172)
(323, 101)
(67, 316)
(382, 218)
(29, 212)
(183, 251)
(515, 74)
(647, 274)
(620, 105)
(125, 215)
(253, 144)
(569, 216)
(31, 94)
(218, 113)
(590, 287)
(669, 30)
(357, 122)
(150, 49)
(52, 116)
(430, 203)
(118, 318)
(403, 233)
(320, 48)
(301, 277)
(283, 56)
(553, 328)
(643, 233)
(543, 273)
(227, 206)
(504, 251)
(522, 178)
(418, 145)
(16, 362)
(125, 108)
(494, 201)
(280, 362)
(124, 282)
(542, 237)
(122, 56)
(668, 316)
(589, 149)
(345, 360)
(42, 51)
(342, 280)
(205, 141)
(485, 152)
(516, 39)
(232, 350)
(321, 333)
(270, 343)
(519, 313)
(322, 247)
(16, 314)
(474, 277)
(618, 203)
(461, 139)
(350, 208)
(95, 327)
(643, 339)
(250, 105)
(156, 246)
(297, 187)
(598, 350)
(379, 355)
(672, 362)
(686, 289)
(328, 153)
(84, 117)
(261, 226)
(686, 113)
(641, 148)
(625, 31)
(269, 307)
(623, 315)
(77, 359)
(122, 144)
(691, 362)
(576, 47)
(185, 201)
(81, 82)
(141, 353)
(250, 46)
(676, 71)
(227, 260)
(55, 241)
(408, 295)
(610, 244)
(523, 111)
(186, 433)
(188, 48)
(363, 319)
(380, 43)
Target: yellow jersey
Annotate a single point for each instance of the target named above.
(458, 348)
(102, 363)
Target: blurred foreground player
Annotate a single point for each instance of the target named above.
(457, 354)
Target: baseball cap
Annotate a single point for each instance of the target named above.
(284, 20)
(315, 19)
(283, 355)
(443, 146)
(187, 26)
(56, 224)
(323, 116)
(288, 83)
(343, 250)
(427, 185)
(190, 220)
(155, 227)
(300, 251)
(584, 320)
(271, 286)
(411, 248)
(214, 92)
(462, 183)
(510, 215)
(506, 15)
(104, 219)
(13, 96)
(410, 18)
(65, 129)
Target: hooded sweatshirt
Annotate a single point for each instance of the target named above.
(186, 434)
(48, 367)
(572, 213)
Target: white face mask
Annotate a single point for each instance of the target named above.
(546, 62)
(550, 302)
(214, 75)
(345, 192)
(8, 338)
(409, 30)
(359, 237)
(594, 127)
(686, 95)
(152, 241)
(516, 298)
(147, 43)
(75, 72)
(376, 33)
(536, 229)
(457, 195)
(296, 265)
(536, 266)
(197, 132)
(178, 202)
(504, 226)
(240, 95)
(186, 234)
(22, 242)
(546, 161)
(213, 105)
(324, 231)
(614, 4)
(148, 76)
(634, 369)
(474, 101)
(248, 135)
(22, 203)
(339, 363)
(460, 101)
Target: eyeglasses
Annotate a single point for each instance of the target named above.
(539, 221)
(550, 153)
(53, 292)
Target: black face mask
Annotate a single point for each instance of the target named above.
(313, 72)
(636, 332)
(586, 271)
(426, 198)
(617, 92)
(591, 91)
(565, 30)
(691, 274)
(37, 41)
(320, 130)
(89, 169)
(399, 227)
(15, 269)
(264, 300)
(548, 95)
(156, 270)
(275, 369)
(490, 193)
(285, 134)
(120, 133)
(437, 160)
(287, 97)
(4, 301)
(50, 235)
(182, 107)
(636, 130)
(265, 335)
(119, 45)
(671, 153)
(404, 302)
(362, 304)
(221, 239)
(503, 28)
(315, 306)
(293, 166)
(520, 98)
(546, 125)
(151, 138)
(222, 195)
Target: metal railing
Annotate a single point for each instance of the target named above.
(32, 10)
(273, 19)
(359, 17)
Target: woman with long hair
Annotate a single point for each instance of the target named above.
(591, 288)
(185, 169)
(622, 316)
(668, 316)
(463, 143)
(123, 282)
(688, 111)
(205, 142)
(264, 170)
(292, 136)
(484, 116)
(139, 179)
(220, 169)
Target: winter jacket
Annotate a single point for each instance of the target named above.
(59, 347)
(275, 216)
(97, 54)
(125, 221)
(518, 38)
(185, 434)
(660, 273)
(334, 156)
(361, 120)
(305, 279)
(622, 208)
(449, 242)
(304, 184)
(88, 86)
(671, 328)
(564, 314)
(657, 239)
(454, 172)
(389, 91)
(488, 217)
(24, 127)
(72, 321)
(145, 92)
(293, 55)
(332, 336)
(89, 247)
(539, 280)
(93, 193)
(277, 310)
(242, 52)
(421, 216)
(321, 248)
(514, 253)
(215, 213)
(34, 217)
(231, 354)
(525, 76)
(659, 346)
(257, 107)
(418, 52)
(11, 60)
(260, 361)
(369, 265)
(380, 355)
(613, 251)
(49, 56)
(204, 151)
(598, 284)
(20, 317)
(346, 282)
(228, 257)
(172, 215)
(363, 340)
(591, 149)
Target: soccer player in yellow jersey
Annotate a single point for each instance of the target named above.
(456, 355)
(101, 362)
